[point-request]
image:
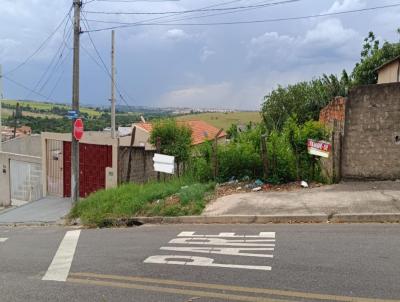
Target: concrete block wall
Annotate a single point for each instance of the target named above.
(371, 145)
(141, 165)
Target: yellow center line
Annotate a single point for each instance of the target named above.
(274, 292)
(176, 291)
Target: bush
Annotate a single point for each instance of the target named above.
(288, 154)
(239, 159)
(147, 199)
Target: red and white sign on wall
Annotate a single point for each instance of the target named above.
(319, 148)
(78, 129)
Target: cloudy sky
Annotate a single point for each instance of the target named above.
(227, 66)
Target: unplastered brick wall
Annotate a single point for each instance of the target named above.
(333, 117)
(334, 111)
(371, 147)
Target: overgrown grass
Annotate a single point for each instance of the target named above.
(176, 197)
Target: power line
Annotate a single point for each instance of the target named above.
(24, 86)
(172, 15)
(103, 64)
(220, 13)
(192, 10)
(127, 24)
(60, 76)
(134, 1)
(58, 54)
(40, 46)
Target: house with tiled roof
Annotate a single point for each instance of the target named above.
(201, 131)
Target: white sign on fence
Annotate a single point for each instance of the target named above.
(164, 163)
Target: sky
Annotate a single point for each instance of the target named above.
(173, 65)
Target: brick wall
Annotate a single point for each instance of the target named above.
(333, 117)
(334, 111)
(372, 123)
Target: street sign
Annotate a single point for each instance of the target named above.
(78, 129)
(164, 163)
(72, 115)
(319, 148)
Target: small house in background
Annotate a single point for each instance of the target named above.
(389, 72)
(201, 131)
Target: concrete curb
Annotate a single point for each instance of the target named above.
(34, 223)
(366, 217)
(224, 219)
(258, 219)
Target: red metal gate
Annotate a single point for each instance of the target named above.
(94, 159)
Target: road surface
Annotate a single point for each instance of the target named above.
(320, 262)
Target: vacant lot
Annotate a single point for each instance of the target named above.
(224, 120)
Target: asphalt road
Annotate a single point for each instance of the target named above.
(357, 262)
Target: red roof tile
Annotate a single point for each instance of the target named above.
(201, 131)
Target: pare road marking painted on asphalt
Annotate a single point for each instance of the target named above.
(61, 264)
(199, 261)
(225, 244)
(3, 239)
(228, 235)
(221, 251)
(220, 241)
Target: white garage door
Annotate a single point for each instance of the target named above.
(25, 181)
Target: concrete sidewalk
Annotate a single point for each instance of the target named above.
(48, 210)
(345, 198)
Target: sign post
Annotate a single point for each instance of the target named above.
(78, 129)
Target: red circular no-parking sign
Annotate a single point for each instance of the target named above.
(78, 129)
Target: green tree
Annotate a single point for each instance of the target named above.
(175, 139)
(304, 100)
(373, 56)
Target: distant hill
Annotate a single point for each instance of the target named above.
(224, 120)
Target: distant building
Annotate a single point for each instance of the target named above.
(389, 72)
(201, 131)
(7, 133)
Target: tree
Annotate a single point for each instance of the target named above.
(175, 139)
(304, 100)
(373, 56)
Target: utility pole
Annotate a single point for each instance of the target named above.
(75, 101)
(113, 130)
(1, 99)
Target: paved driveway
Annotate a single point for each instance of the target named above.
(46, 210)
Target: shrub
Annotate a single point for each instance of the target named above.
(239, 160)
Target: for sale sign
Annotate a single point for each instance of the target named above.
(319, 148)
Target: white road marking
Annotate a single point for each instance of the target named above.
(220, 250)
(61, 264)
(220, 241)
(199, 261)
(3, 239)
(228, 235)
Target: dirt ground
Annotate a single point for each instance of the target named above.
(230, 188)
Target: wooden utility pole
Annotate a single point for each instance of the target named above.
(128, 174)
(264, 155)
(158, 148)
(75, 101)
(215, 153)
(16, 116)
(113, 130)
